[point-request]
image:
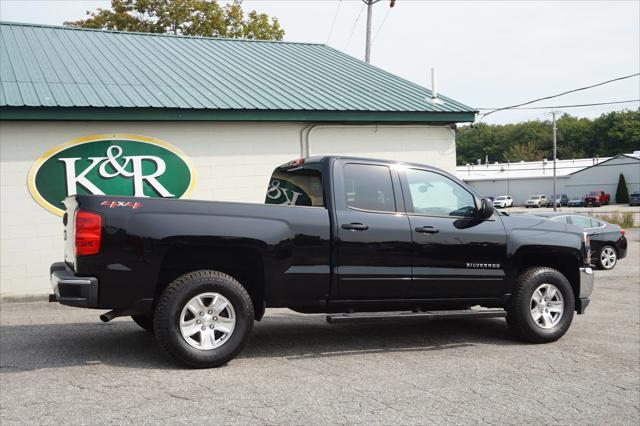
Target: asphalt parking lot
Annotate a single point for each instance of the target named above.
(62, 365)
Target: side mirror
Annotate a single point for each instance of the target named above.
(486, 208)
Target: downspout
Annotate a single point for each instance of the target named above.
(315, 126)
(304, 139)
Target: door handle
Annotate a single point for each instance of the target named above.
(354, 226)
(427, 230)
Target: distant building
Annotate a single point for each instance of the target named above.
(574, 177)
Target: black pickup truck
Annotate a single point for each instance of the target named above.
(349, 237)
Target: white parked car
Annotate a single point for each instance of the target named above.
(536, 201)
(503, 201)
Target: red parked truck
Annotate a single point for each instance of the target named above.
(596, 199)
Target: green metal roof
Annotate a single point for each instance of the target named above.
(66, 73)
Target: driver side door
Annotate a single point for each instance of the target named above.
(456, 253)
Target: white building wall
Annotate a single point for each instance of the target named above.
(605, 176)
(233, 162)
(519, 189)
(400, 143)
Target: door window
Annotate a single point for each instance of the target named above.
(584, 222)
(436, 195)
(561, 219)
(369, 187)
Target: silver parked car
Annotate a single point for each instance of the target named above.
(538, 200)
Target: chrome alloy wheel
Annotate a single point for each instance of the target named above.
(207, 321)
(608, 257)
(547, 306)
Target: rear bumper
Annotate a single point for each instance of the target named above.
(621, 247)
(586, 288)
(73, 290)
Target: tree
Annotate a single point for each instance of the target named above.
(622, 193)
(186, 17)
(525, 151)
(610, 134)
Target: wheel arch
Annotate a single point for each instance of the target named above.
(563, 259)
(243, 263)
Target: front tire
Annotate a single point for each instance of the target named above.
(607, 258)
(203, 319)
(542, 305)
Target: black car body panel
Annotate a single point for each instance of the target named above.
(329, 258)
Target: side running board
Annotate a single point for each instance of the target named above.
(424, 315)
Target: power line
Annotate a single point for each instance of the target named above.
(335, 18)
(559, 94)
(568, 106)
(353, 29)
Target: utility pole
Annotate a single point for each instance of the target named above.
(553, 114)
(367, 52)
(370, 3)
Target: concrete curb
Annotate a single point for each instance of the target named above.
(25, 298)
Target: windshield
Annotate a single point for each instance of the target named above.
(594, 193)
(501, 198)
(534, 197)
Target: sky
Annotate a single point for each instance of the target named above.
(486, 53)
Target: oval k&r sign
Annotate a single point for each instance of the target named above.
(116, 164)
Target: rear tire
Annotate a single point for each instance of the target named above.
(144, 321)
(203, 319)
(542, 305)
(607, 258)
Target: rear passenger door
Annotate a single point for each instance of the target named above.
(373, 249)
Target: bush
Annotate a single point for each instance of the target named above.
(625, 220)
(622, 194)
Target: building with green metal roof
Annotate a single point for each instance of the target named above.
(69, 73)
(79, 109)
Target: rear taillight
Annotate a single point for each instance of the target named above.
(622, 232)
(88, 233)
